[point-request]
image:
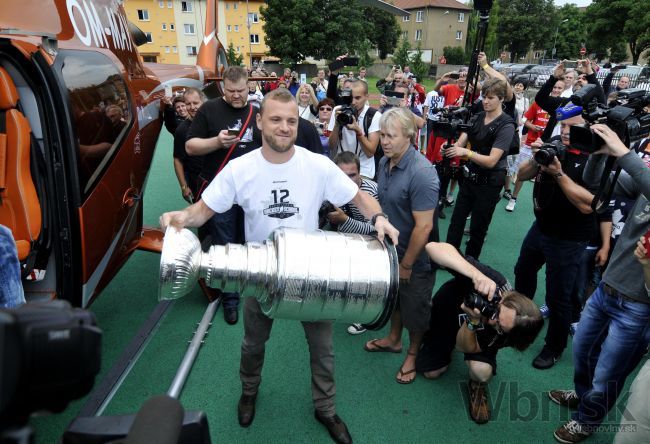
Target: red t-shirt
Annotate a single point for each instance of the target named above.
(536, 116)
(452, 93)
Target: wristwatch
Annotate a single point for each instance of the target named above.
(374, 218)
(473, 327)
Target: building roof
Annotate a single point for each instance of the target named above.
(414, 4)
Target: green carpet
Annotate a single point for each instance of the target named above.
(375, 408)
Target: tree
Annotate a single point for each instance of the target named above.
(570, 34)
(523, 23)
(364, 58)
(383, 30)
(232, 57)
(454, 55)
(618, 52)
(324, 29)
(615, 21)
(401, 55)
(418, 67)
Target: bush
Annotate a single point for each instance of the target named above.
(455, 55)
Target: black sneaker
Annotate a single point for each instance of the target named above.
(507, 195)
(546, 359)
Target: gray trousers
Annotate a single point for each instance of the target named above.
(257, 329)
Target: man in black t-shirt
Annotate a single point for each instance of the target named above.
(516, 324)
(563, 225)
(223, 129)
(188, 167)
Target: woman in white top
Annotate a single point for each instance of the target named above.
(307, 102)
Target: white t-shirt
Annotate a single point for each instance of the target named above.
(305, 113)
(349, 140)
(567, 93)
(279, 195)
(434, 102)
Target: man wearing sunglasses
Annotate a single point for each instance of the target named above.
(512, 320)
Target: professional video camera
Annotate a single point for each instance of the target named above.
(452, 122)
(50, 354)
(347, 113)
(626, 117)
(549, 151)
(489, 309)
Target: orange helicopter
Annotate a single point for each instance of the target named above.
(80, 115)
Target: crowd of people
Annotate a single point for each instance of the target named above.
(366, 172)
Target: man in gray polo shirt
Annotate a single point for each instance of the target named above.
(408, 188)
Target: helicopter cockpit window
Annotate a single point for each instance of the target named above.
(101, 111)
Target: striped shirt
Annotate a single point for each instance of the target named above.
(357, 223)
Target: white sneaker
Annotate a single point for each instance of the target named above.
(573, 328)
(511, 205)
(450, 199)
(356, 329)
(546, 312)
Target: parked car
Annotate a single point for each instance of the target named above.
(639, 75)
(518, 68)
(536, 76)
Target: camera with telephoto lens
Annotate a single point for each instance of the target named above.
(626, 117)
(488, 309)
(549, 151)
(347, 113)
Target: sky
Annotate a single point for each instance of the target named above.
(576, 2)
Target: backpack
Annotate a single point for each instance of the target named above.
(379, 153)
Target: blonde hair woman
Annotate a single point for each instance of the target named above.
(307, 102)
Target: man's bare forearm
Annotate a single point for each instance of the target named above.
(197, 146)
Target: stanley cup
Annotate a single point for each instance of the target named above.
(307, 276)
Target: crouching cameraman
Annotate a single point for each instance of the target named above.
(478, 313)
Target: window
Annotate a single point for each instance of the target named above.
(236, 28)
(170, 4)
(253, 18)
(255, 38)
(164, 26)
(229, 28)
(418, 34)
(172, 27)
(459, 35)
(174, 49)
(143, 14)
(227, 5)
(406, 18)
(234, 6)
(161, 3)
(100, 108)
(187, 6)
(405, 35)
(149, 38)
(189, 28)
(149, 58)
(166, 49)
(191, 50)
(238, 49)
(461, 17)
(418, 16)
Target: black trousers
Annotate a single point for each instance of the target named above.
(479, 201)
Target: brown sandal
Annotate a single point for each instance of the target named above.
(401, 373)
(380, 348)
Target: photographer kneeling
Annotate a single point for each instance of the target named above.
(494, 318)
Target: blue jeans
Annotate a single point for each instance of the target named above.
(562, 258)
(11, 287)
(228, 228)
(612, 336)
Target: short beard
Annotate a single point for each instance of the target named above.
(273, 143)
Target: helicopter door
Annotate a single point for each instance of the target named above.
(110, 194)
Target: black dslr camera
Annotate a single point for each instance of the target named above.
(489, 309)
(347, 113)
(626, 117)
(549, 151)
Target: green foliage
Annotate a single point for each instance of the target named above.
(365, 59)
(618, 52)
(325, 29)
(454, 55)
(524, 23)
(383, 31)
(613, 22)
(570, 34)
(401, 55)
(232, 57)
(418, 67)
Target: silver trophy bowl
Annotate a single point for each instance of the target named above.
(307, 276)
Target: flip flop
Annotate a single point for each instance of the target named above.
(380, 348)
(401, 373)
